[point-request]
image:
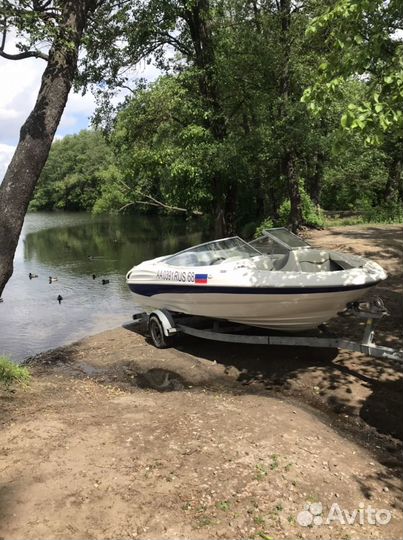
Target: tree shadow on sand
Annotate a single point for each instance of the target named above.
(361, 397)
(363, 391)
(348, 384)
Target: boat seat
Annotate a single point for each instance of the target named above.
(279, 261)
(288, 263)
(317, 262)
(306, 261)
(324, 266)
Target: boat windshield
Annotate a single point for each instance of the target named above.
(278, 241)
(214, 252)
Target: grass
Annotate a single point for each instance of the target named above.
(261, 471)
(223, 505)
(274, 462)
(375, 216)
(205, 521)
(11, 373)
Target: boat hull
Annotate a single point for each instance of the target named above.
(309, 288)
(287, 310)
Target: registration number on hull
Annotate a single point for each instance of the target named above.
(182, 276)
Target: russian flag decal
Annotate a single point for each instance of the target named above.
(201, 278)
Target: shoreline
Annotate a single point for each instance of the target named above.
(92, 444)
(331, 405)
(243, 438)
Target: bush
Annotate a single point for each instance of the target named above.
(266, 224)
(11, 373)
(311, 214)
(389, 213)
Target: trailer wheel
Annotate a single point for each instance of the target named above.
(159, 339)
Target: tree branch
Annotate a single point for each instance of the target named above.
(154, 202)
(18, 56)
(124, 184)
(163, 205)
(175, 43)
(126, 205)
(23, 55)
(160, 204)
(127, 88)
(3, 39)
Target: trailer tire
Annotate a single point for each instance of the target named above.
(159, 339)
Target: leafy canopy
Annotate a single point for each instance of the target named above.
(362, 39)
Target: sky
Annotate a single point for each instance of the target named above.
(19, 85)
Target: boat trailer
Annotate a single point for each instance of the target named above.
(164, 325)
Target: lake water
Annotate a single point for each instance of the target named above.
(73, 247)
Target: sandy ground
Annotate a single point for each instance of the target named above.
(245, 441)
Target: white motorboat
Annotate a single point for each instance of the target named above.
(277, 281)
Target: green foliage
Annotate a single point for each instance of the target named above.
(312, 215)
(112, 195)
(74, 173)
(11, 373)
(267, 223)
(163, 149)
(355, 175)
(389, 213)
(231, 114)
(362, 40)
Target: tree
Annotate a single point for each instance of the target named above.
(148, 28)
(74, 172)
(361, 39)
(164, 152)
(227, 46)
(272, 68)
(62, 24)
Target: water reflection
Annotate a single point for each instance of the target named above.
(73, 247)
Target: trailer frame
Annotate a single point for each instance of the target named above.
(164, 325)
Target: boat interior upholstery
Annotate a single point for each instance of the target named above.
(294, 261)
(301, 261)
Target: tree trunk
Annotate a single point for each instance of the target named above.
(231, 199)
(294, 194)
(37, 133)
(197, 17)
(259, 196)
(220, 225)
(316, 178)
(274, 204)
(393, 186)
(288, 162)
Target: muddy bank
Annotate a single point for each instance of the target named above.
(243, 441)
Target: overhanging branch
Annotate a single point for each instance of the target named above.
(18, 56)
(23, 55)
(151, 201)
(160, 204)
